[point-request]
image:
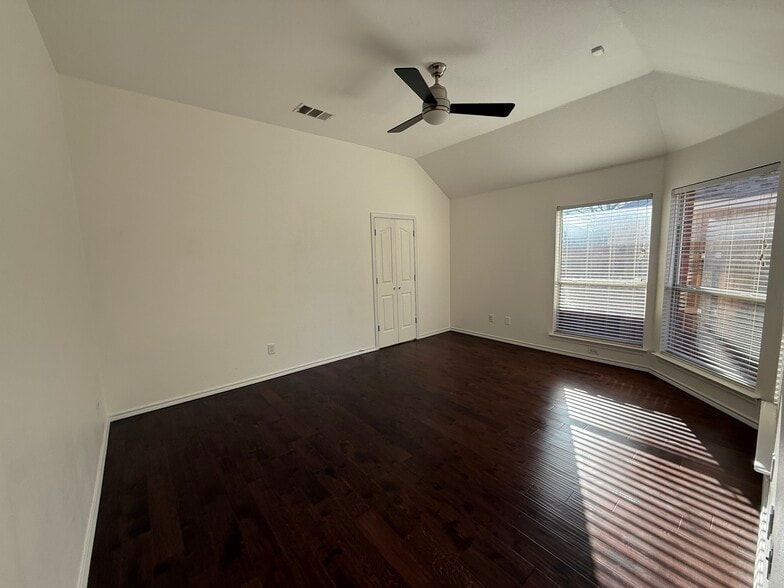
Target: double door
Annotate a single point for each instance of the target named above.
(395, 277)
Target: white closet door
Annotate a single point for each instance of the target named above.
(386, 286)
(404, 277)
(393, 239)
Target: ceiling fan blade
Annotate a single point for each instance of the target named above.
(415, 81)
(403, 126)
(484, 109)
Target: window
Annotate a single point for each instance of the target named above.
(601, 273)
(719, 255)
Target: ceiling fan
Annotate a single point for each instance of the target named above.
(436, 108)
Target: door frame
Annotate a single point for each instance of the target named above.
(373, 217)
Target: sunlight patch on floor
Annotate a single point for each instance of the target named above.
(646, 484)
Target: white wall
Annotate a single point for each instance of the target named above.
(507, 239)
(210, 236)
(51, 417)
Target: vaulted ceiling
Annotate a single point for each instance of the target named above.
(675, 73)
(646, 117)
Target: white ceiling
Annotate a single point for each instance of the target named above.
(733, 42)
(260, 58)
(647, 117)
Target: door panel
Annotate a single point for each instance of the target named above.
(386, 289)
(406, 307)
(404, 274)
(388, 314)
(387, 274)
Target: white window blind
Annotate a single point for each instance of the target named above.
(601, 273)
(719, 255)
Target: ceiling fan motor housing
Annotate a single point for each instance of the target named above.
(436, 114)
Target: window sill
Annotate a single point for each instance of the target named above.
(708, 376)
(598, 342)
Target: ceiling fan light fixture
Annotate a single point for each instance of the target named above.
(436, 115)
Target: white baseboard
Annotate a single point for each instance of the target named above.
(89, 538)
(707, 399)
(436, 332)
(670, 380)
(548, 349)
(654, 372)
(124, 414)
(201, 394)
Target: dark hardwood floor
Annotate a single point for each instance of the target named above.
(448, 461)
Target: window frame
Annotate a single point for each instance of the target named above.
(673, 244)
(642, 285)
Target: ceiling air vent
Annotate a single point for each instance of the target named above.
(312, 112)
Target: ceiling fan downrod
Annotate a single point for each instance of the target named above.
(436, 114)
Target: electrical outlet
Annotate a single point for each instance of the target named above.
(271, 349)
(508, 320)
(593, 351)
(490, 318)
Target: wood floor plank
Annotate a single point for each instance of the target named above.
(448, 461)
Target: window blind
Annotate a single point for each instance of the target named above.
(719, 257)
(602, 270)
